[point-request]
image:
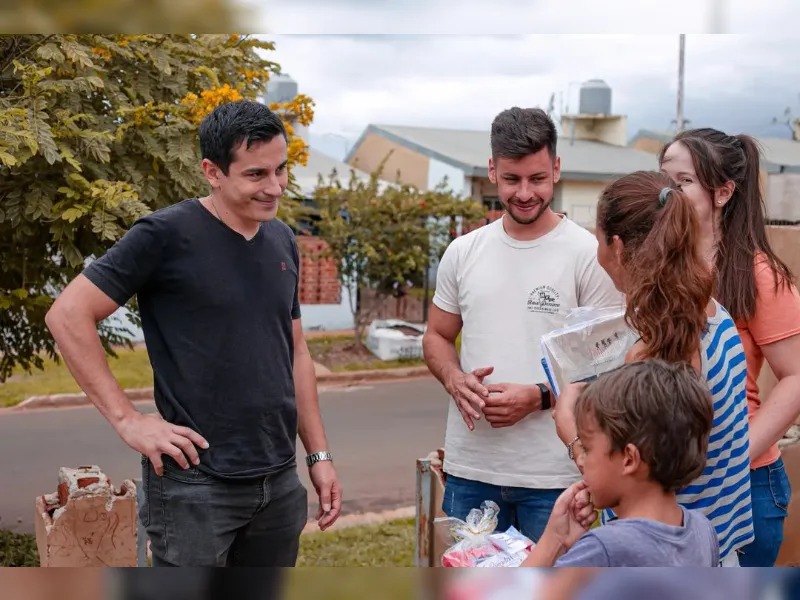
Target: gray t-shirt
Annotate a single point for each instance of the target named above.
(646, 543)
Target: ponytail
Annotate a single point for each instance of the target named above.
(668, 283)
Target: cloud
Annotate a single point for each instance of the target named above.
(534, 16)
(734, 82)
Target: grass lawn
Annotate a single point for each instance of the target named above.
(388, 544)
(132, 369)
(339, 354)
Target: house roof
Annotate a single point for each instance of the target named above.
(781, 155)
(469, 151)
(652, 134)
(319, 163)
(778, 155)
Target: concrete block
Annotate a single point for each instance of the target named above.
(87, 522)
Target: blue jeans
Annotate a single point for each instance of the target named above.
(770, 491)
(526, 509)
(194, 519)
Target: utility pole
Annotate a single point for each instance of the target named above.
(717, 18)
(679, 123)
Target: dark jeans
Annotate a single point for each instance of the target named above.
(526, 509)
(194, 519)
(770, 491)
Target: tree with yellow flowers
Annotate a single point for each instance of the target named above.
(96, 131)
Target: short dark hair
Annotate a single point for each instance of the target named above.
(518, 132)
(230, 124)
(664, 409)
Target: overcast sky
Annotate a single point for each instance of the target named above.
(420, 73)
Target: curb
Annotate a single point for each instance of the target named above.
(373, 375)
(70, 400)
(144, 394)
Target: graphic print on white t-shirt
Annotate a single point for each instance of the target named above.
(544, 299)
(509, 293)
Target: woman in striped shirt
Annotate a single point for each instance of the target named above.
(647, 232)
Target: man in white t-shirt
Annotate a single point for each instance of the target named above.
(502, 287)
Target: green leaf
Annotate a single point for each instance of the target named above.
(7, 159)
(50, 52)
(96, 82)
(182, 149)
(69, 157)
(44, 136)
(110, 231)
(72, 214)
(77, 54)
(20, 293)
(161, 61)
(72, 254)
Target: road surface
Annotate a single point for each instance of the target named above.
(375, 431)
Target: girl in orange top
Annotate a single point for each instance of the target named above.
(720, 175)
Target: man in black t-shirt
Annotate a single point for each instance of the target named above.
(217, 282)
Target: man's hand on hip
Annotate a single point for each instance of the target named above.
(469, 393)
(323, 477)
(152, 436)
(509, 403)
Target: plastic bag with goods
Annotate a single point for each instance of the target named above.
(475, 543)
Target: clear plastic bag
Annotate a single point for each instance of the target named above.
(476, 543)
(592, 341)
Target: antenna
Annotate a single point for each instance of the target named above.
(679, 122)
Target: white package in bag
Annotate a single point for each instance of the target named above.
(592, 342)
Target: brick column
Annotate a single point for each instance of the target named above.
(319, 277)
(86, 522)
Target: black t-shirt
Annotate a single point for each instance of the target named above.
(217, 315)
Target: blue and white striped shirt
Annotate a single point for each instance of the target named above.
(722, 492)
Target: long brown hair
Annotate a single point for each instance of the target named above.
(669, 284)
(718, 158)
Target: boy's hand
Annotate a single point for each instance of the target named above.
(564, 524)
(583, 509)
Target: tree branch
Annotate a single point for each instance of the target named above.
(22, 54)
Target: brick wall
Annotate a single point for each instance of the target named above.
(319, 279)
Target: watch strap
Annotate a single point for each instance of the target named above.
(545, 391)
(313, 459)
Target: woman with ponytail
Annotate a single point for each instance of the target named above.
(648, 233)
(719, 174)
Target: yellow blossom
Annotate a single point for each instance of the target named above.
(102, 53)
(208, 100)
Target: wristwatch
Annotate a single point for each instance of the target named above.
(313, 459)
(545, 395)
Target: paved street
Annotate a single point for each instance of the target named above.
(376, 432)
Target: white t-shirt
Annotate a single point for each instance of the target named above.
(509, 293)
